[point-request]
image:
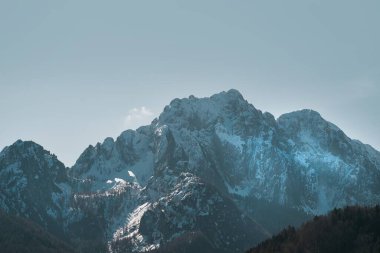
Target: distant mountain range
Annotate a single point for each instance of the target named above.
(215, 172)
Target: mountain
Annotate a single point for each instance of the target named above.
(215, 170)
(34, 185)
(348, 230)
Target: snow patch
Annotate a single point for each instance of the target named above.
(234, 140)
(161, 130)
(119, 180)
(242, 190)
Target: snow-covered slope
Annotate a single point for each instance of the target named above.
(128, 158)
(337, 171)
(190, 205)
(34, 184)
(195, 170)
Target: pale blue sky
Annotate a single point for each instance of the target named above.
(75, 72)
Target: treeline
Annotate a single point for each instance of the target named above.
(349, 230)
(18, 235)
(191, 242)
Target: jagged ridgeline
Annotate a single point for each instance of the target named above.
(212, 173)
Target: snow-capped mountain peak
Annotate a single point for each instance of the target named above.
(214, 167)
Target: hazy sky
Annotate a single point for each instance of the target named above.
(75, 72)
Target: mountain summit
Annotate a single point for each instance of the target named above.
(215, 171)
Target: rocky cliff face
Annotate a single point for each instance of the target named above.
(34, 184)
(205, 166)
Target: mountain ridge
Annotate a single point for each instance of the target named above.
(217, 157)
